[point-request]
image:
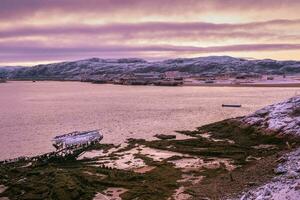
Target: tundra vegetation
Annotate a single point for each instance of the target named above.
(252, 153)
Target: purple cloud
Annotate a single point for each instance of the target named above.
(154, 28)
(10, 53)
(17, 8)
(21, 37)
(31, 49)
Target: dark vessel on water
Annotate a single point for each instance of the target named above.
(232, 105)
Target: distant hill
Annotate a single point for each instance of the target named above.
(8, 70)
(212, 65)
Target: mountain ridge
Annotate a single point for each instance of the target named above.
(212, 65)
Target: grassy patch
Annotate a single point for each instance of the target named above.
(221, 184)
(68, 179)
(244, 138)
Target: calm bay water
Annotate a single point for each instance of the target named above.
(31, 114)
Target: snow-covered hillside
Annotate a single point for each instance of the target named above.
(282, 118)
(203, 65)
(7, 70)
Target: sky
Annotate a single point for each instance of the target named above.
(45, 31)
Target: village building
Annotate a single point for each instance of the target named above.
(138, 78)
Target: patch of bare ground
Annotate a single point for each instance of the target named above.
(110, 194)
(180, 194)
(232, 158)
(191, 164)
(2, 188)
(143, 170)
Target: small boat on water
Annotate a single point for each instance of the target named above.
(232, 105)
(76, 140)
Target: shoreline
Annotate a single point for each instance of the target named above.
(250, 155)
(190, 106)
(192, 166)
(184, 85)
(246, 85)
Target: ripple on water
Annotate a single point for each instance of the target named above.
(33, 113)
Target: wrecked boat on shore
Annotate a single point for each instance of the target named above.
(69, 143)
(76, 139)
(67, 146)
(223, 160)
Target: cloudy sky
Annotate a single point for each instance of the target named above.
(43, 31)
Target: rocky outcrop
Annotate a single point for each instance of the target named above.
(284, 186)
(282, 118)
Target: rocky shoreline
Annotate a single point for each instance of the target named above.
(282, 119)
(231, 159)
(286, 185)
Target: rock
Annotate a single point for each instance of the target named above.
(292, 174)
(267, 192)
(247, 195)
(262, 112)
(280, 170)
(278, 118)
(297, 187)
(284, 186)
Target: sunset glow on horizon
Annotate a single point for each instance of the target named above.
(34, 31)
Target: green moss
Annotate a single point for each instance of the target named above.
(67, 179)
(244, 136)
(159, 183)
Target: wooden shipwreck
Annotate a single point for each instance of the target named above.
(68, 144)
